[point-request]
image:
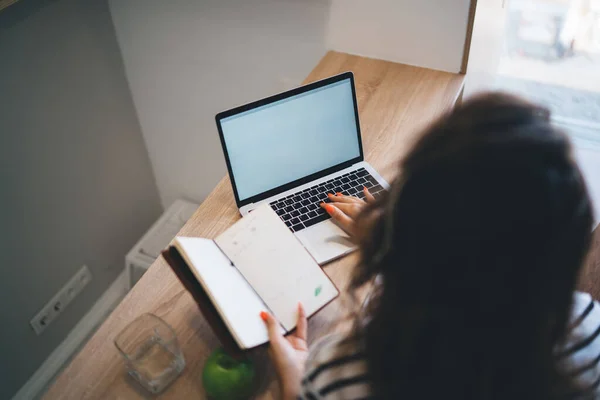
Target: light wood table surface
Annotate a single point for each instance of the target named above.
(395, 101)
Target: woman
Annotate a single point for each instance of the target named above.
(476, 249)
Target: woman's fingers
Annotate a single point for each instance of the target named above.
(350, 209)
(272, 326)
(345, 222)
(340, 198)
(368, 196)
(302, 324)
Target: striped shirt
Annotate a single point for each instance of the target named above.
(340, 372)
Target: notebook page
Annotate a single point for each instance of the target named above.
(231, 295)
(277, 266)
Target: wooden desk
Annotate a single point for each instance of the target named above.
(394, 101)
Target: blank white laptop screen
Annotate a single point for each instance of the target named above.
(281, 142)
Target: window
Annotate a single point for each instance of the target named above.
(552, 56)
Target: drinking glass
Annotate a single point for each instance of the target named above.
(151, 352)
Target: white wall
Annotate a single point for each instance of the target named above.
(427, 33)
(187, 60)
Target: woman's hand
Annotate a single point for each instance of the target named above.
(345, 209)
(288, 354)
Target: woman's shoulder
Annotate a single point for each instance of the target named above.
(584, 326)
(581, 352)
(336, 367)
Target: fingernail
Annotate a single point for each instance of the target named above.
(365, 189)
(338, 194)
(329, 208)
(264, 316)
(329, 194)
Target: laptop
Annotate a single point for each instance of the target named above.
(291, 149)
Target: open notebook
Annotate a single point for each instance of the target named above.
(255, 265)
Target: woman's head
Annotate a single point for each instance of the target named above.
(478, 243)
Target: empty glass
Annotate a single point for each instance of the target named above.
(151, 352)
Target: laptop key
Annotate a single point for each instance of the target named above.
(376, 188)
(280, 212)
(286, 217)
(289, 202)
(368, 184)
(297, 227)
(306, 202)
(297, 206)
(312, 214)
(312, 206)
(362, 172)
(314, 199)
(305, 195)
(295, 213)
(303, 217)
(294, 221)
(288, 223)
(345, 186)
(345, 180)
(289, 209)
(316, 220)
(296, 198)
(303, 210)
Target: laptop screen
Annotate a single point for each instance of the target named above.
(289, 139)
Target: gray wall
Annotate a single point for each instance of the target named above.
(76, 182)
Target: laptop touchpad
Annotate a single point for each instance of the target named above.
(326, 241)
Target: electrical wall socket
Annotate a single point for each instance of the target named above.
(61, 300)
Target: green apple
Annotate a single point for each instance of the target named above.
(224, 377)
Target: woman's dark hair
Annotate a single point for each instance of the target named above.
(477, 248)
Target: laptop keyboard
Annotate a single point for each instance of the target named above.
(302, 209)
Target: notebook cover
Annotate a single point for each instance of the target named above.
(208, 310)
